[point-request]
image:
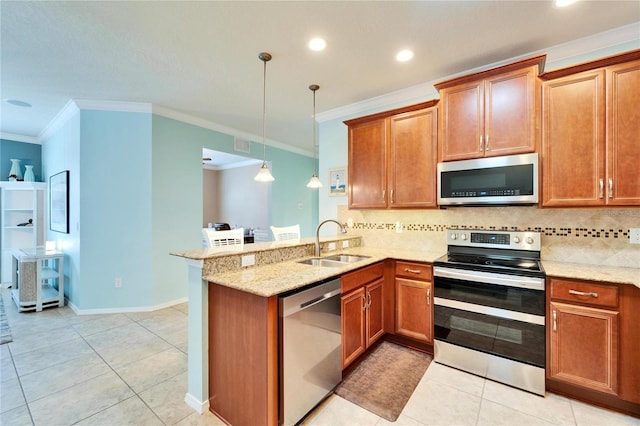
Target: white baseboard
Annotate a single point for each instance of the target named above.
(79, 311)
(196, 404)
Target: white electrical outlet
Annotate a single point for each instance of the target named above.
(634, 235)
(350, 222)
(345, 244)
(331, 246)
(398, 227)
(118, 282)
(248, 260)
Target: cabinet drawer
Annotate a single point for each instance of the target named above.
(362, 276)
(416, 271)
(584, 292)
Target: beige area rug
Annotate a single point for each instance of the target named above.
(384, 382)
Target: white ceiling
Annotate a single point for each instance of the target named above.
(199, 58)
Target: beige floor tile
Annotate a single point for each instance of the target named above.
(553, 408)
(165, 319)
(7, 370)
(336, 411)
(148, 372)
(4, 352)
(97, 325)
(80, 401)
(588, 415)
(166, 399)
(182, 307)
(11, 395)
(30, 340)
(16, 417)
(130, 412)
(449, 376)
(48, 356)
(204, 419)
(494, 414)
(436, 404)
(62, 376)
(402, 420)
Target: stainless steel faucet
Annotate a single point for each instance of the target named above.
(342, 229)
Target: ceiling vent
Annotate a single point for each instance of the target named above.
(241, 145)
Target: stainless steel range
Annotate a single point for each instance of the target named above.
(489, 307)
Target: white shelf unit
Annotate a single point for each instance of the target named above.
(19, 202)
(37, 279)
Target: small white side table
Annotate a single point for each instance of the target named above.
(38, 279)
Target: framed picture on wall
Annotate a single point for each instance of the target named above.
(338, 181)
(59, 202)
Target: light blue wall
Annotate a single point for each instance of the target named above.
(29, 153)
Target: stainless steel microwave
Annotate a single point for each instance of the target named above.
(506, 180)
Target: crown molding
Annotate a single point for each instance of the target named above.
(555, 54)
(201, 122)
(19, 138)
(115, 106)
(64, 115)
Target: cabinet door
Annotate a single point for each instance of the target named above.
(413, 159)
(413, 309)
(375, 312)
(584, 346)
(511, 113)
(368, 165)
(353, 319)
(623, 134)
(461, 125)
(573, 140)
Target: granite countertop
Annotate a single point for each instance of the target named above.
(277, 278)
(612, 274)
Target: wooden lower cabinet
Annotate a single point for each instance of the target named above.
(584, 346)
(413, 310)
(362, 312)
(414, 301)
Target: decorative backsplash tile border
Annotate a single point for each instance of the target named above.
(547, 231)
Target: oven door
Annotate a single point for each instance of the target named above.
(506, 320)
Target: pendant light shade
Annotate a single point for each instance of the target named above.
(314, 182)
(264, 175)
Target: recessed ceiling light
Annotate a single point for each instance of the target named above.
(563, 3)
(404, 55)
(317, 44)
(17, 102)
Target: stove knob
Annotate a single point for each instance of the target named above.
(464, 237)
(529, 240)
(516, 240)
(454, 236)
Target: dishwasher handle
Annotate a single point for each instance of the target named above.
(318, 299)
(305, 299)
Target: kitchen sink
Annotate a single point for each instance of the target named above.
(318, 261)
(346, 258)
(335, 261)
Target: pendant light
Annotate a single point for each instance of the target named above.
(264, 175)
(314, 182)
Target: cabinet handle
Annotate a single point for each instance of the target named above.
(555, 321)
(391, 200)
(582, 293)
(486, 143)
(481, 144)
(428, 296)
(369, 297)
(601, 188)
(610, 187)
(384, 193)
(413, 271)
(364, 303)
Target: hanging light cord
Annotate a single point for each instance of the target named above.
(264, 109)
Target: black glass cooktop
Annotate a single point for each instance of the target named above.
(497, 264)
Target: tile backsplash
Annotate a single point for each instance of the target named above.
(589, 236)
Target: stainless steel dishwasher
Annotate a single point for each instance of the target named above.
(310, 349)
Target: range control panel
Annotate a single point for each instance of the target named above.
(517, 240)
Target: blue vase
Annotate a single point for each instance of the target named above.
(28, 174)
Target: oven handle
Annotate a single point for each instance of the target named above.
(531, 283)
(488, 310)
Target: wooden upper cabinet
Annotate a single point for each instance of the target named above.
(590, 138)
(491, 113)
(623, 134)
(392, 158)
(368, 164)
(573, 140)
(413, 158)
